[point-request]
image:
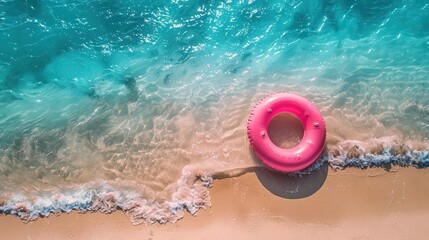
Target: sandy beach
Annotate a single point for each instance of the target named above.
(123, 112)
(345, 204)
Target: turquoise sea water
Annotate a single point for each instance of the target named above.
(133, 105)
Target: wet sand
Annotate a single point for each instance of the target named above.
(346, 204)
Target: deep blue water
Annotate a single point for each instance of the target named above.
(107, 104)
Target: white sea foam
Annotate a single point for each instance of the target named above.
(190, 194)
(382, 152)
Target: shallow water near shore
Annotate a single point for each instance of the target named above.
(139, 105)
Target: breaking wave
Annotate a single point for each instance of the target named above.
(191, 192)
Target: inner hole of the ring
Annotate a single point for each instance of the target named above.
(285, 130)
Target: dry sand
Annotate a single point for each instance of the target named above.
(347, 204)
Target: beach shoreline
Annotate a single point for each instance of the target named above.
(345, 204)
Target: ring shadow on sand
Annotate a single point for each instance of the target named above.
(291, 187)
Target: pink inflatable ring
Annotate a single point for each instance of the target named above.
(306, 151)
